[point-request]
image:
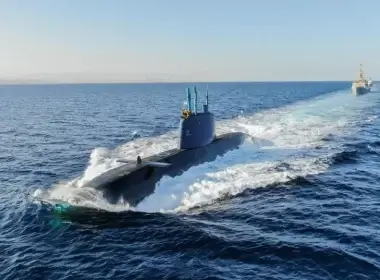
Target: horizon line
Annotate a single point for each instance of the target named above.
(5, 83)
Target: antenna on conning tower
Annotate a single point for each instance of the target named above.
(205, 106)
(207, 95)
(192, 106)
(188, 99)
(195, 99)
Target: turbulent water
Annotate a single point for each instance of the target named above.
(301, 201)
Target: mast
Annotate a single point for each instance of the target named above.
(207, 95)
(188, 99)
(361, 72)
(195, 100)
(205, 106)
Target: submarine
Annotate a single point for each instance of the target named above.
(197, 144)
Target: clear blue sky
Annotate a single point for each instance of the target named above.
(198, 40)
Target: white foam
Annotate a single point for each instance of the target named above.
(86, 197)
(293, 130)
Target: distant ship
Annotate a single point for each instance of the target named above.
(361, 85)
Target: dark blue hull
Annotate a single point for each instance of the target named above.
(134, 182)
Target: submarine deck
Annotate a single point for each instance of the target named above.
(130, 167)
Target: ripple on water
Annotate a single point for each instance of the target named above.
(302, 207)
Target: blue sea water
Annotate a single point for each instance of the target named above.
(299, 202)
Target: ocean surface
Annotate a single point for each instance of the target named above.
(301, 201)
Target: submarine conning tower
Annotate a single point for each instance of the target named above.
(196, 129)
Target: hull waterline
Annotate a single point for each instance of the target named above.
(133, 182)
(361, 90)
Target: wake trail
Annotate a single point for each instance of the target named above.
(286, 145)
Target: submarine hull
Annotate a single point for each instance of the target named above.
(133, 182)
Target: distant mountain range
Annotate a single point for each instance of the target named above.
(98, 78)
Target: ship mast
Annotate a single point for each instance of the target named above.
(361, 75)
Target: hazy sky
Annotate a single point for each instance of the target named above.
(197, 40)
